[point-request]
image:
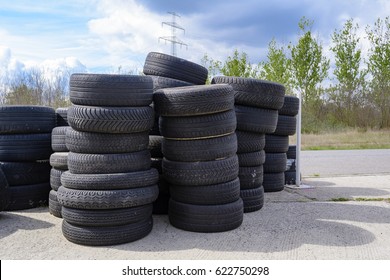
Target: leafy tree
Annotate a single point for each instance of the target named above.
(309, 67)
(213, 67)
(237, 65)
(379, 68)
(20, 94)
(277, 68)
(348, 91)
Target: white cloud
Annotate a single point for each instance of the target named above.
(107, 34)
(11, 68)
(5, 56)
(127, 32)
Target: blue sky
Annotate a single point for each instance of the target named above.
(103, 35)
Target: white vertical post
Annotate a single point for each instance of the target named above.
(298, 150)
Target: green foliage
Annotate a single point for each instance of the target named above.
(237, 65)
(277, 68)
(212, 66)
(379, 68)
(350, 83)
(309, 67)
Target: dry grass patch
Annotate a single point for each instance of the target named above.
(346, 140)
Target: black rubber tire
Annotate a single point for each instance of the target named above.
(62, 116)
(55, 178)
(26, 173)
(249, 141)
(59, 161)
(110, 90)
(164, 82)
(155, 147)
(207, 195)
(198, 127)
(58, 136)
(105, 236)
(24, 119)
(206, 218)
(4, 195)
(54, 205)
(108, 163)
(275, 162)
(200, 173)
(161, 205)
(114, 181)
(159, 64)
(111, 119)
(25, 147)
(250, 176)
(286, 125)
(256, 120)
(200, 150)
(107, 199)
(276, 143)
(193, 100)
(104, 218)
(253, 199)
(104, 143)
(28, 196)
(251, 159)
(254, 92)
(290, 106)
(273, 182)
(290, 177)
(292, 152)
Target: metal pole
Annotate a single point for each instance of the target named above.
(298, 150)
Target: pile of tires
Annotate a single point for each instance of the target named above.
(256, 106)
(277, 145)
(156, 63)
(58, 160)
(108, 192)
(25, 149)
(200, 163)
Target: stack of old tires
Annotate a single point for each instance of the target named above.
(256, 104)
(58, 160)
(108, 192)
(200, 162)
(25, 148)
(160, 206)
(277, 145)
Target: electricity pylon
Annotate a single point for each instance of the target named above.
(173, 38)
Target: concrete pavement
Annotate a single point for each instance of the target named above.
(329, 221)
(345, 162)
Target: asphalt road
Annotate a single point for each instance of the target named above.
(348, 162)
